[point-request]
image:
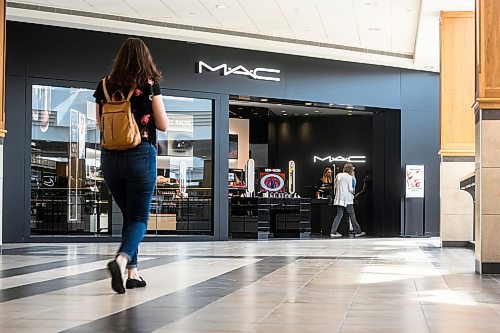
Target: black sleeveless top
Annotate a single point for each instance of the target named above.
(140, 103)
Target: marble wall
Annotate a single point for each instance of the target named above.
(457, 206)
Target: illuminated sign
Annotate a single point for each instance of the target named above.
(258, 73)
(333, 159)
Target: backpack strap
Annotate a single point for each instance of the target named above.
(105, 90)
(131, 91)
(106, 94)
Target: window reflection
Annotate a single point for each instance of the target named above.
(68, 192)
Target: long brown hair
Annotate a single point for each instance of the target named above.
(134, 64)
(325, 178)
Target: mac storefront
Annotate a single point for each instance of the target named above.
(250, 136)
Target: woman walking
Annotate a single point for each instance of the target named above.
(130, 174)
(344, 200)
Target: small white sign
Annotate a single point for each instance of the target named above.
(180, 123)
(414, 177)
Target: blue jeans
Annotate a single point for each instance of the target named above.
(131, 176)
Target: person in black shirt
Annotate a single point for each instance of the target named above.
(131, 174)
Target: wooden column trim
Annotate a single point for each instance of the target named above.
(488, 103)
(3, 37)
(487, 47)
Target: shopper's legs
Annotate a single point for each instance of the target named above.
(355, 225)
(337, 220)
(141, 177)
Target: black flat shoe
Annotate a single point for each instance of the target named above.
(116, 277)
(133, 283)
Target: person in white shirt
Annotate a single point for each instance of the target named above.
(344, 200)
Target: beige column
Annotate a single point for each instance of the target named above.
(457, 92)
(3, 6)
(487, 119)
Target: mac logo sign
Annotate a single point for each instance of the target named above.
(333, 159)
(258, 73)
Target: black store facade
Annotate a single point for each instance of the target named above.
(52, 181)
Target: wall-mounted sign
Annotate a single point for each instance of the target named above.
(258, 73)
(414, 176)
(333, 159)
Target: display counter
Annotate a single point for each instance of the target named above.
(263, 218)
(170, 213)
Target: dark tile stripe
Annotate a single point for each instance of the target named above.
(46, 266)
(43, 287)
(152, 315)
(50, 250)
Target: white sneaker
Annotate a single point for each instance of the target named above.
(336, 235)
(360, 234)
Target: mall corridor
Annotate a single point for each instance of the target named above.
(346, 285)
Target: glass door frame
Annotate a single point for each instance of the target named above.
(220, 167)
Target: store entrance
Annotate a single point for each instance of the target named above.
(313, 137)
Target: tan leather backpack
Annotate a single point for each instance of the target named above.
(119, 129)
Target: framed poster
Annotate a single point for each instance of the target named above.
(414, 179)
(233, 146)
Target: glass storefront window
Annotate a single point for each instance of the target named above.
(68, 193)
(183, 196)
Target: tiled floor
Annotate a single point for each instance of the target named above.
(341, 285)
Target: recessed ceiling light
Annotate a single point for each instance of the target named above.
(240, 108)
(283, 111)
(308, 103)
(222, 6)
(316, 111)
(263, 99)
(349, 107)
(306, 114)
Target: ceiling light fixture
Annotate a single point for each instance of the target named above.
(316, 111)
(263, 99)
(283, 111)
(349, 107)
(308, 103)
(306, 114)
(222, 6)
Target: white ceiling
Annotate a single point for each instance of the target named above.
(399, 33)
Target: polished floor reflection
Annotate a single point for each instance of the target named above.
(323, 285)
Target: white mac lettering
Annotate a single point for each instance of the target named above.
(332, 159)
(256, 74)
